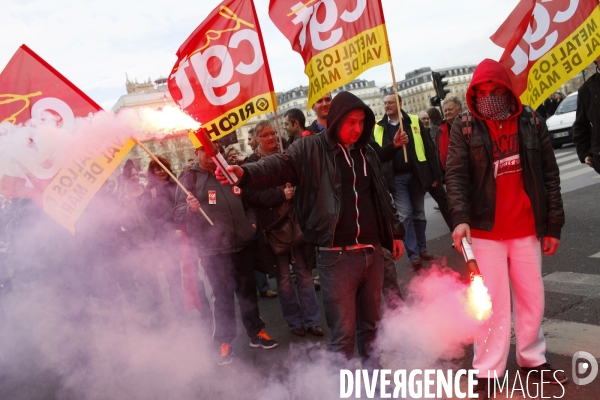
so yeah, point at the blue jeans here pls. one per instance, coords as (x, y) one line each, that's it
(410, 203)
(261, 282)
(308, 307)
(351, 284)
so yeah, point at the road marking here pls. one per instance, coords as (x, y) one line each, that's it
(573, 174)
(571, 165)
(565, 157)
(567, 338)
(586, 285)
(597, 255)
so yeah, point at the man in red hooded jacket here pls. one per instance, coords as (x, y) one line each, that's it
(504, 197)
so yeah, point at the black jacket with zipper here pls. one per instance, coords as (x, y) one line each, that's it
(470, 179)
(309, 164)
(426, 171)
(470, 170)
(586, 129)
(232, 230)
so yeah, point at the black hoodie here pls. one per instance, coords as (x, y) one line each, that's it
(344, 103)
(358, 211)
(312, 164)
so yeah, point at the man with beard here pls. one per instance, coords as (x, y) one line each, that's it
(293, 123)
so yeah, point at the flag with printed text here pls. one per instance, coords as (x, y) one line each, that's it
(337, 39)
(546, 43)
(221, 77)
(38, 111)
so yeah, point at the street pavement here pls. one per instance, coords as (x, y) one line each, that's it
(572, 314)
(571, 278)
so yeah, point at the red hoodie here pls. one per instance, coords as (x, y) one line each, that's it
(514, 214)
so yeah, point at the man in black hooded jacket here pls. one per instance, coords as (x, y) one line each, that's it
(345, 210)
(586, 129)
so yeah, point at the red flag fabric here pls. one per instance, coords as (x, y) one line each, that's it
(35, 162)
(515, 25)
(222, 77)
(31, 89)
(337, 39)
(547, 43)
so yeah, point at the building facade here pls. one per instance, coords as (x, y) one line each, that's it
(297, 97)
(417, 89)
(177, 148)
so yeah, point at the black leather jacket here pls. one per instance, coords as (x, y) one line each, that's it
(470, 176)
(427, 171)
(586, 129)
(309, 164)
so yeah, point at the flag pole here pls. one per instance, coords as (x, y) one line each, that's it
(389, 50)
(171, 175)
(278, 129)
(397, 103)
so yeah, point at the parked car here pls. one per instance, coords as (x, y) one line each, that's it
(560, 125)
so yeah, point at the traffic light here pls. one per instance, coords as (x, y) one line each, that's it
(438, 85)
(435, 101)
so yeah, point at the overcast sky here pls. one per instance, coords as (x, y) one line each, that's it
(95, 43)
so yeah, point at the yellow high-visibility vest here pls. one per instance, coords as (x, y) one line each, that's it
(416, 131)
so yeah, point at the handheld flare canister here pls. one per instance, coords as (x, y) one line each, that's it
(213, 152)
(470, 258)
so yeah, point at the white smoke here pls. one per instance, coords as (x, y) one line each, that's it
(434, 325)
(45, 143)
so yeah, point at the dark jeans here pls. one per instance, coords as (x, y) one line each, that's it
(306, 313)
(439, 195)
(228, 274)
(391, 289)
(351, 284)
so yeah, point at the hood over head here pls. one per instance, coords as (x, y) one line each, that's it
(342, 104)
(490, 71)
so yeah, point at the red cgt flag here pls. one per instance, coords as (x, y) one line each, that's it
(221, 77)
(38, 110)
(30, 89)
(546, 43)
(337, 39)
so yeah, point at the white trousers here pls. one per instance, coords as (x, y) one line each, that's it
(511, 267)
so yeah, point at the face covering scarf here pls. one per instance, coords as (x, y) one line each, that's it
(495, 108)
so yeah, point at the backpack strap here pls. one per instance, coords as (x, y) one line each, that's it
(467, 125)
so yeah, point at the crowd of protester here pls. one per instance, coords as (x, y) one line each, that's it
(342, 231)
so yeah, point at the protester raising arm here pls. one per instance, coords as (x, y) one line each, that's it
(279, 168)
(387, 152)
